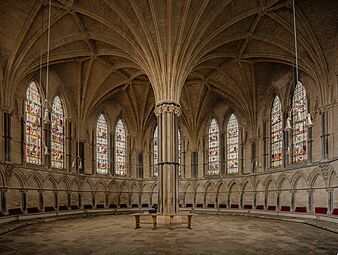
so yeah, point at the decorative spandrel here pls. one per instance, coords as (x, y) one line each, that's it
(102, 150)
(232, 145)
(276, 133)
(299, 129)
(213, 149)
(120, 149)
(33, 125)
(155, 152)
(57, 134)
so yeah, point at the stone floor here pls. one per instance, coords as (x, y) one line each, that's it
(211, 234)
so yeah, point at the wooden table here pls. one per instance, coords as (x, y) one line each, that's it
(154, 219)
(171, 219)
(138, 219)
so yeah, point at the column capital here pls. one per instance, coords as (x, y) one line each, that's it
(167, 107)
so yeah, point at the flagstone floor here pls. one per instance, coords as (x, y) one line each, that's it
(211, 234)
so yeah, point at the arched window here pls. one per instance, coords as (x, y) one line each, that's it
(120, 149)
(57, 133)
(232, 145)
(299, 130)
(102, 146)
(213, 149)
(33, 125)
(276, 130)
(155, 152)
(179, 152)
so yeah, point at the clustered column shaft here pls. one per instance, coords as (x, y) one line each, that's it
(167, 120)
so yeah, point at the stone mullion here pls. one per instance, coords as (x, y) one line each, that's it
(7, 136)
(68, 145)
(325, 136)
(41, 200)
(309, 144)
(3, 201)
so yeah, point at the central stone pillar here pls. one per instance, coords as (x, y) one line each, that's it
(167, 121)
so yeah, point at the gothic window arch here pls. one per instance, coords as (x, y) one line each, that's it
(102, 147)
(213, 149)
(57, 133)
(155, 152)
(33, 130)
(232, 145)
(276, 131)
(299, 129)
(120, 149)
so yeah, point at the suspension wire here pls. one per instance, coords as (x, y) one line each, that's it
(48, 47)
(295, 38)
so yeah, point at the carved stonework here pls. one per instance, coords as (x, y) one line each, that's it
(254, 181)
(325, 171)
(81, 180)
(9, 169)
(170, 108)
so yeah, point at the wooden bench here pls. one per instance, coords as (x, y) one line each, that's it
(154, 219)
(247, 206)
(171, 219)
(138, 219)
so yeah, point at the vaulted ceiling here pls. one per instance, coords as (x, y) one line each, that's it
(231, 47)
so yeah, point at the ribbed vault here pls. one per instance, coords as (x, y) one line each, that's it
(100, 46)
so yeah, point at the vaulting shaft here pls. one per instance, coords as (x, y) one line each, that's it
(167, 119)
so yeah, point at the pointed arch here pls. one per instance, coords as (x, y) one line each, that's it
(213, 149)
(50, 179)
(276, 131)
(100, 186)
(33, 128)
(102, 149)
(34, 180)
(120, 149)
(232, 145)
(57, 133)
(299, 129)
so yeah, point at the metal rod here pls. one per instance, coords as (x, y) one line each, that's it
(295, 38)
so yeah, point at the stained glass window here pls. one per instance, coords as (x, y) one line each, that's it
(120, 149)
(155, 152)
(276, 133)
(232, 145)
(102, 146)
(33, 125)
(213, 149)
(299, 130)
(179, 154)
(57, 133)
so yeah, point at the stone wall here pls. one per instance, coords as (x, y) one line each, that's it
(295, 189)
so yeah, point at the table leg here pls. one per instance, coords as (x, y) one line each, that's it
(171, 221)
(154, 221)
(137, 221)
(189, 221)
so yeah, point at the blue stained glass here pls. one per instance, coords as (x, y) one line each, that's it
(299, 130)
(232, 145)
(213, 149)
(102, 146)
(57, 134)
(120, 149)
(33, 125)
(276, 133)
(179, 154)
(155, 152)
